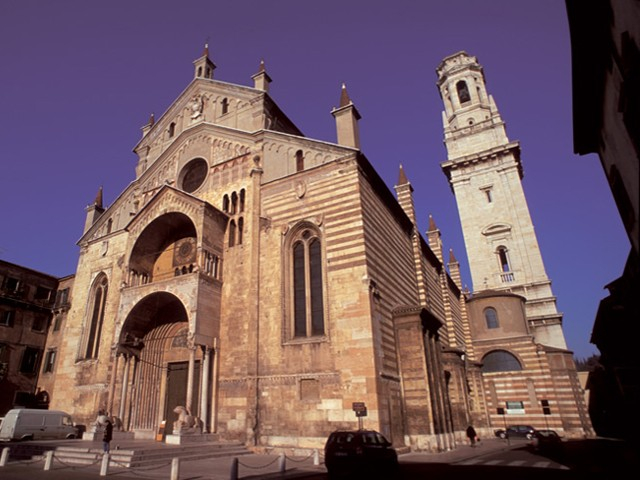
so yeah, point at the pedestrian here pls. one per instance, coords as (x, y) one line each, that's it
(471, 434)
(107, 436)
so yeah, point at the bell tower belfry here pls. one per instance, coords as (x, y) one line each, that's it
(485, 172)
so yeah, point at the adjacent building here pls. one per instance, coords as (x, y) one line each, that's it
(26, 300)
(605, 51)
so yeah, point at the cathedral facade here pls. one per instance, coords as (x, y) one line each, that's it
(273, 286)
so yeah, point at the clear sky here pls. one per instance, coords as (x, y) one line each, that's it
(78, 78)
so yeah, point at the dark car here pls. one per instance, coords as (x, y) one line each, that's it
(546, 441)
(354, 451)
(525, 431)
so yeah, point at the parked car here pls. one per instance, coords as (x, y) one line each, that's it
(546, 441)
(525, 431)
(354, 451)
(34, 424)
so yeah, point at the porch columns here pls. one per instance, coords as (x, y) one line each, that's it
(112, 383)
(125, 385)
(204, 388)
(190, 374)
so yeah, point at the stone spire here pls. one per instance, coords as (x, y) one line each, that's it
(404, 192)
(261, 80)
(434, 239)
(347, 117)
(98, 201)
(94, 211)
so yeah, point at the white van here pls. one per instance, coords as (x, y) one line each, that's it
(33, 424)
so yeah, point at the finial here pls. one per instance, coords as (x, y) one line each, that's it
(452, 258)
(152, 119)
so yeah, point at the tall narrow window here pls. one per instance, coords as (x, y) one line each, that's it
(234, 203)
(225, 106)
(242, 194)
(299, 291)
(491, 317)
(504, 260)
(172, 129)
(49, 360)
(463, 91)
(307, 285)
(315, 279)
(225, 204)
(94, 327)
(232, 233)
(240, 228)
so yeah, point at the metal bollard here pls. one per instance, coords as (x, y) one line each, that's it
(316, 457)
(4, 457)
(104, 467)
(175, 468)
(48, 460)
(282, 463)
(234, 469)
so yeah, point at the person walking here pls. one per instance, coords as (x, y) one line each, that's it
(107, 436)
(471, 434)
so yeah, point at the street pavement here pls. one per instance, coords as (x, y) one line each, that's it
(579, 459)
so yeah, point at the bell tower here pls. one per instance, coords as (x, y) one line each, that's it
(485, 172)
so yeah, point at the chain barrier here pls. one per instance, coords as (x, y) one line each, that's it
(28, 462)
(298, 460)
(259, 467)
(75, 466)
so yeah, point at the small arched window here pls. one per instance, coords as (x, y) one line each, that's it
(299, 161)
(172, 129)
(225, 204)
(242, 200)
(225, 106)
(463, 91)
(491, 317)
(504, 259)
(500, 361)
(93, 329)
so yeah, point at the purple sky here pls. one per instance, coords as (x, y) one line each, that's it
(79, 78)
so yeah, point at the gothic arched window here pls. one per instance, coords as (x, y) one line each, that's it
(463, 91)
(500, 361)
(491, 317)
(306, 286)
(93, 328)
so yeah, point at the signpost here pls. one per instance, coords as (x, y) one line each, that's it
(361, 411)
(504, 419)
